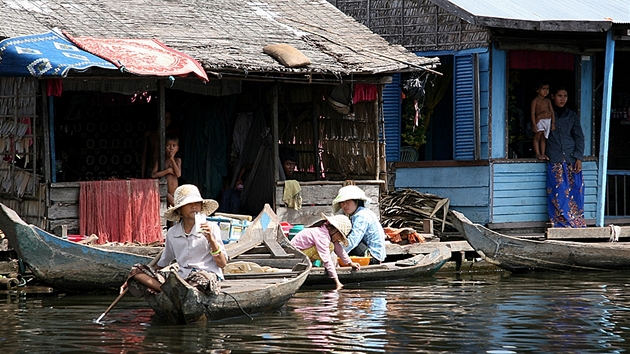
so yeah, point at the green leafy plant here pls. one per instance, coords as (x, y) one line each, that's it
(412, 135)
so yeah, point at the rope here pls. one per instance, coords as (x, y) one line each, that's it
(239, 306)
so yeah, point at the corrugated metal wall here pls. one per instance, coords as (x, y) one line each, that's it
(392, 111)
(464, 107)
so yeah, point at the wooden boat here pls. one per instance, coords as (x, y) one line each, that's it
(262, 246)
(521, 255)
(416, 266)
(80, 268)
(64, 264)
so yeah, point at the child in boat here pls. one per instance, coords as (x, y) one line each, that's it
(197, 247)
(367, 236)
(542, 120)
(172, 167)
(322, 238)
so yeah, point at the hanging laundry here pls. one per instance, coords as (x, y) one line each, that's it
(365, 93)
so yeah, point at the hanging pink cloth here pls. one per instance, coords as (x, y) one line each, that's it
(121, 210)
(364, 93)
(530, 59)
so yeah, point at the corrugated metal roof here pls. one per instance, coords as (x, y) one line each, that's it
(545, 15)
(224, 35)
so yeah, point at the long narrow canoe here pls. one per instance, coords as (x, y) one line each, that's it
(64, 264)
(417, 266)
(522, 255)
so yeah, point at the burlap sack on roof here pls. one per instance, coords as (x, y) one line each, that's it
(287, 55)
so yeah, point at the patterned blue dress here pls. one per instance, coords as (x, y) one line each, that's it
(565, 186)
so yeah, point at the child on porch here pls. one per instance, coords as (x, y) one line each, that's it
(543, 120)
(172, 167)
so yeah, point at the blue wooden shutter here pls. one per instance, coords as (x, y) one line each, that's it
(392, 113)
(464, 108)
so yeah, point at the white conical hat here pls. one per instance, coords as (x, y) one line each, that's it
(341, 223)
(349, 193)
(187, 194)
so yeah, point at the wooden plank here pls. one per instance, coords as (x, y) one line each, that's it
(393, 249)
(325, 193)
(561, 233)
(238, 248)
(63, 211)
(306, 216)
(275, 248)
(257, 276)
(310, 214)
(64, 194)
(29, 289)
(443, 177)
(73, 225)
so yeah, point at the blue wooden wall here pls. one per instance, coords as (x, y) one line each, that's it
(467, 187)
(499, 103)
(519, 191)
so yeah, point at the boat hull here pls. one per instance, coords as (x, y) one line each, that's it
(522, 255)
(263, 244)
(416, 266)
(181, 303)
(64, 264)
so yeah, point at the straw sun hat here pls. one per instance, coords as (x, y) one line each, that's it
(341, 223)
(187, 194)
(349, 193)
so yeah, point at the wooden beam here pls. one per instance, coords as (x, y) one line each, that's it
(567, 233)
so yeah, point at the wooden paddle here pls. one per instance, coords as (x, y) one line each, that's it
(122, 294)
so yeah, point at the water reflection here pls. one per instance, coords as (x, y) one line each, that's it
(483, 313)
(343, 321)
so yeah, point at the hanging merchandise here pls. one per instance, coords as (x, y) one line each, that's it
(414, 88)
(340, 98)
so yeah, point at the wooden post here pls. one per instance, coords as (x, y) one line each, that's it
(161, 127)
(427, 226)
(603, 140)
(377, 118)
(276, 166)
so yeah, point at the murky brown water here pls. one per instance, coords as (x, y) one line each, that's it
(484, 313)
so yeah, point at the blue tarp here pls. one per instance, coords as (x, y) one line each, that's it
(48, 54)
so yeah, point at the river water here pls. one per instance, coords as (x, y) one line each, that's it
(472, 313)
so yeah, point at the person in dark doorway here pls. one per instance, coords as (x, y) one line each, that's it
(150, 152)
(367, 236)
(565, 148)
(288, 159)
(172, 167)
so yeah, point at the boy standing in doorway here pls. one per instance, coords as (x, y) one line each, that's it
(543, 120)
(172, 168)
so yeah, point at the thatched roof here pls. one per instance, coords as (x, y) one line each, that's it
(224, 35)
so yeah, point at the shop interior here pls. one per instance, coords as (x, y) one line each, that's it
(100, 136)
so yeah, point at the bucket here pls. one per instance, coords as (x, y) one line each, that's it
(363, 261)
(286, 227)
